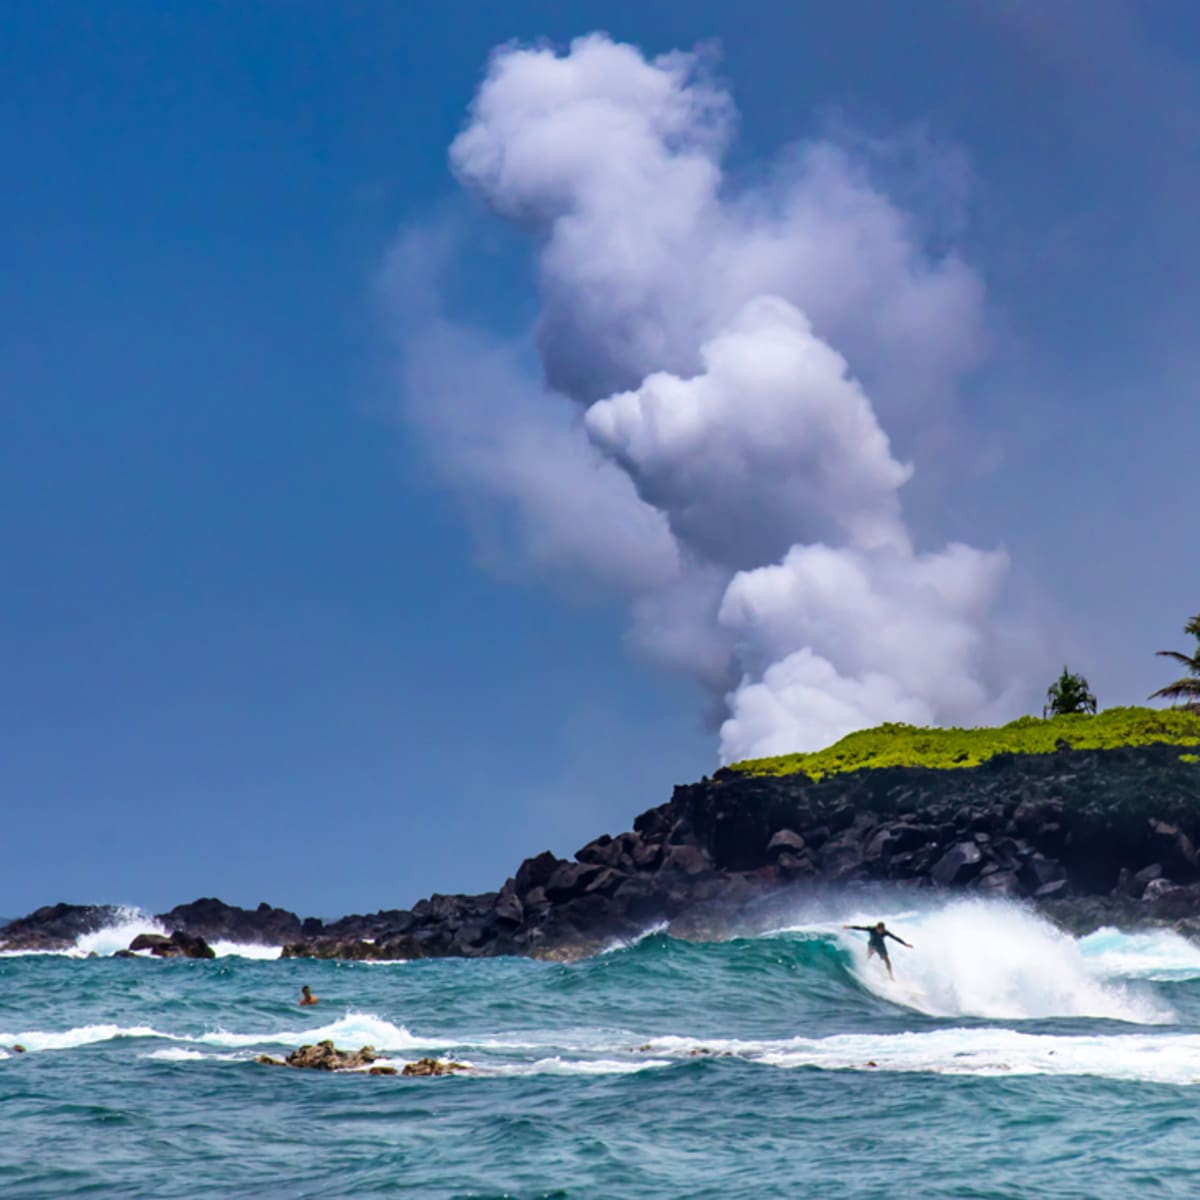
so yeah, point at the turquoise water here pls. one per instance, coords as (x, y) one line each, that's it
(1007, 1060)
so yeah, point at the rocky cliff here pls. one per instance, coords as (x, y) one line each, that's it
(1089, 836)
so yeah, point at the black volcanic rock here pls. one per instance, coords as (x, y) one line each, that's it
(216, 921)
(178, 945)
(57, 926)
(1089, 837)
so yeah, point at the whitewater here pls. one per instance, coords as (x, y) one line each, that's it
(1007, 1059)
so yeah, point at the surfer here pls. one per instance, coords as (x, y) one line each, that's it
(306, 996)
(877, 945)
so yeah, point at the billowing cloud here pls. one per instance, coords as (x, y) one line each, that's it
(771, 443)
(613, 161)
(719, 365)
(887, 634)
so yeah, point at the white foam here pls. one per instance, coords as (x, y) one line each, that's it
(1153, 1058)
(82, 1035)
(626, 943)
(584, 1066)
(117, 936)
(1160, 955)
(354, 1029)
(244, 950)
(981, 958)
(182, 1054)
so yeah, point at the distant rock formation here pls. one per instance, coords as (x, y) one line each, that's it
(57, 926)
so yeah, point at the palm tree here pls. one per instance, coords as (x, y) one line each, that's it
(1186, 689)
(1069, 693)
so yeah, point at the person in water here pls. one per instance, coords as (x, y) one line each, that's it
(876, 944)
(306, 996)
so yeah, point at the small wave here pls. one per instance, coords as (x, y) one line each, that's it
(83, 1035)
(650, 931)
(581, 1066)
(354, 1029)
(182, 1054)
(244, 950)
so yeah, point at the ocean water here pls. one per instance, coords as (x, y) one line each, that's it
(1006, 1060)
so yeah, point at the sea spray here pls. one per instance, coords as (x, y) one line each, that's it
(990, 959)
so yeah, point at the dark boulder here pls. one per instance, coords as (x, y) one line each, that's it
(1041, 876)
(178, 945)
(570, 880)
(433, 1066)
(1170, 846)
(685, 860)
(785, 840)
(536, 872)
(508, 904)
(958, 866)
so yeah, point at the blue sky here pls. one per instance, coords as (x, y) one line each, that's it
(260, 636)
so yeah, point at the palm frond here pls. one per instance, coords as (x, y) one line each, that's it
(1191, 661)
(1189, 688)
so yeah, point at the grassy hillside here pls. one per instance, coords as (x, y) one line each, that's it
(911, 746)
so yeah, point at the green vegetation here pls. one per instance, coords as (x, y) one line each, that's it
(909, 746)
(1186, 689)
(1069, 693)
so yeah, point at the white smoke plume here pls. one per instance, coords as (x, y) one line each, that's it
(729, 353)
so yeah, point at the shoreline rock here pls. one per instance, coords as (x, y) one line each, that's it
(1088, 838)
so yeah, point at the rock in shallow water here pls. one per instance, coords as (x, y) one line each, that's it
(433, 1066)
(324, 1056)
(178, 945)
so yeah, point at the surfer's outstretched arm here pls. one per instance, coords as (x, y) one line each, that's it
(889, 933)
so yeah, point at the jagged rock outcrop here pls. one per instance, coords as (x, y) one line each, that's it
(1091, 837)
(1086, 835)
(216, 921)
(57, 926)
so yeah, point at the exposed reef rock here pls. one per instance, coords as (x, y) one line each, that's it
(324, 1056)
(1090, 837)
(434, 1066)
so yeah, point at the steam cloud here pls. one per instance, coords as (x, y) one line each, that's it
(728, 354)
